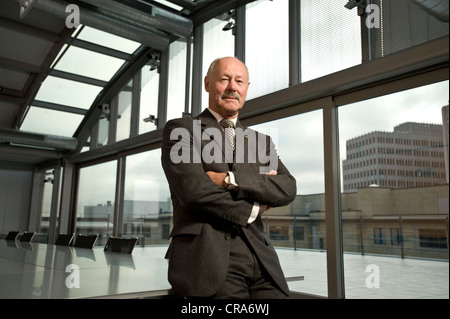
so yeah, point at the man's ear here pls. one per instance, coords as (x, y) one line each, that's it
(206, 81)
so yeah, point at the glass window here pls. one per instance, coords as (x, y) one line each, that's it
(397, 32)
(103, 130)
(267, 46)
(330, 38)
(147, 207)
(395, 193)
(298, 231)
(67, 92)
(216, 44)
(108, 40)
(124, 101)
(149, 100)
(88, 63)
(46, 121)
(46, 204)
(95, 201)
(177, 80)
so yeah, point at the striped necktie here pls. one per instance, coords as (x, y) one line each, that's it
(228, 126)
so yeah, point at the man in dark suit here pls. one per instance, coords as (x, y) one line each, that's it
(218, 248)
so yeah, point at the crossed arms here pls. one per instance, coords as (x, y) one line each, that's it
(198, 187)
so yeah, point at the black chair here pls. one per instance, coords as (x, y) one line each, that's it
(27, 237)
(85, 241)
(120, 245)
(12, 235)
(64, 239)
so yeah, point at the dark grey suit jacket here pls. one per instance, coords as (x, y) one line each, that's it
(204, 213)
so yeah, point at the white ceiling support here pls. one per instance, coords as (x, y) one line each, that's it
(39, 140)
(437, 8)
(151, 38)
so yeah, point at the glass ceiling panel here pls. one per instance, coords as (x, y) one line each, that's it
(108, 40)
(51, 122)
(88, 63)
(67, 92)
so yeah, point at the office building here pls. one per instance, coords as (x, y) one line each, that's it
(410, 156)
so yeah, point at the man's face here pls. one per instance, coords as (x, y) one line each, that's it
(227, 85)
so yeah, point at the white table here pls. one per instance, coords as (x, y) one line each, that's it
(32, 270)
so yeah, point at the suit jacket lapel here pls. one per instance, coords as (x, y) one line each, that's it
(209, 121)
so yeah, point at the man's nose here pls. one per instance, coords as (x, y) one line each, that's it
(232, 85)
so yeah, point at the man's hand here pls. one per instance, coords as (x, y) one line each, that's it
(217, 178)
(263, 208)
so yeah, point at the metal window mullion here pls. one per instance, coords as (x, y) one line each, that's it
(37, 194)
(163, 88)
(68, 193)
(135, 104)
(333, 220)
(294, 42)
(119, 197)
(187, 97)
(52, 231)
(239, 37)
(93, 144)
(113, 113)
(78, 78)
(197, 71)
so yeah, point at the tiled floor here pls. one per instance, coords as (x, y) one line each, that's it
(366, 277)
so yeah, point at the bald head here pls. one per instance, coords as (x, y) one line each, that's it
(216, 61)
(227, 83)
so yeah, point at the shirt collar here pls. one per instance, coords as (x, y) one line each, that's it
(219, 117)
